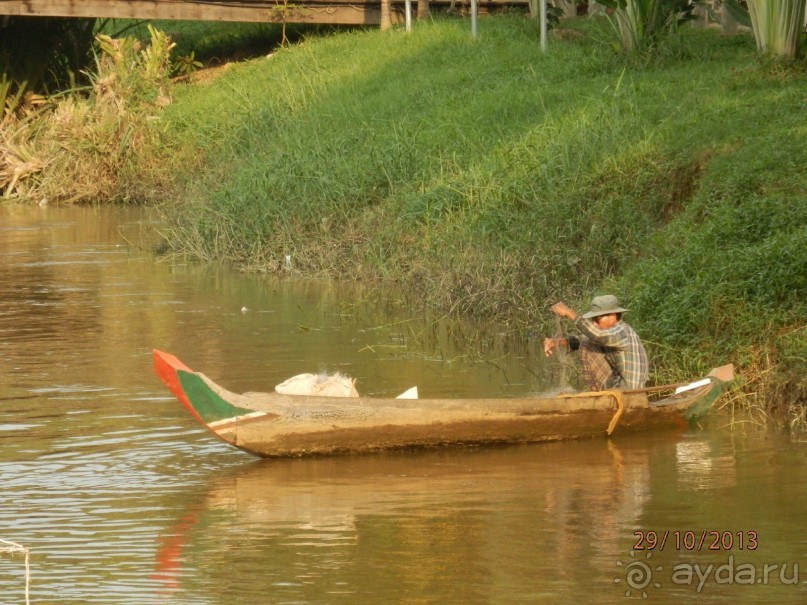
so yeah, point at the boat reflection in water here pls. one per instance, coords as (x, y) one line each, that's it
(490, 523)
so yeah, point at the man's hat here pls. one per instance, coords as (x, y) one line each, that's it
(604, 305)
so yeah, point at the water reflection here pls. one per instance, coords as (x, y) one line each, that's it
(495, 522)
(700, 468)
(123, 500)
(93, 450)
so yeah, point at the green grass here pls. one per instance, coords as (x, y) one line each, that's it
(491, 179)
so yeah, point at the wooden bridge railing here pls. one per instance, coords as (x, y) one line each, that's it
(305, 11)
(337, 12)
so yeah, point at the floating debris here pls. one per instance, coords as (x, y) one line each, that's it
(14, 548)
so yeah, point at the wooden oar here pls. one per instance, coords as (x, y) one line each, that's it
(723, 373)
(660, 387)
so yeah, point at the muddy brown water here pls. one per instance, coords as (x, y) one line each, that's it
(123, 499)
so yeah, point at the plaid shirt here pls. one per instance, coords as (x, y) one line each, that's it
(623, 351)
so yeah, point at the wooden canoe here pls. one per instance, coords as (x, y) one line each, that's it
(276, 425)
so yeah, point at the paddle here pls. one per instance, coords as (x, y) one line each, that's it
(723, 373)
(660, 387)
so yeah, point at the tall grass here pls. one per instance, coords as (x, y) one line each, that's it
(397, 138)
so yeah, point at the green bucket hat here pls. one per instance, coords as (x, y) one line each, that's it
(604, 305)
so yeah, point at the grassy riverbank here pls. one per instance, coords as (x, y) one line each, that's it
(491, 179)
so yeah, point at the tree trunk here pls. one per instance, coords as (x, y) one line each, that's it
(423, 9)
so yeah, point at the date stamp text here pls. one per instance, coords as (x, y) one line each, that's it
(696, 540)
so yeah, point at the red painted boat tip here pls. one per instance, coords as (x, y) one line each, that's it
(161, 357)
(166, 366)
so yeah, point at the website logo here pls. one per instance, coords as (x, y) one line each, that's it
(640, 577)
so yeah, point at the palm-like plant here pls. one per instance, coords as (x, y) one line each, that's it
(640, 23)
(777, 25)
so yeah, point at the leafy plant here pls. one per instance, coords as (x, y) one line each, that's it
(186, 64)
(738, 10)
(131, 72)
(641, 23)
(777, 25)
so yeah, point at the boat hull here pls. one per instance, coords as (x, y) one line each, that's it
(275, 425)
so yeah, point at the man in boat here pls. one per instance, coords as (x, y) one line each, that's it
(611, 354)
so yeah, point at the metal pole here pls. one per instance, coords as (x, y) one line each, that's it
(474, 11)
(408, 9)
(542, 13)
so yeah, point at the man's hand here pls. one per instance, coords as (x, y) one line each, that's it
(564, 311)
(550, 344)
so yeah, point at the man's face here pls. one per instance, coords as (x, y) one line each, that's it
(606, 321)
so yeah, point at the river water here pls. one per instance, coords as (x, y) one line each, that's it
(122, 498)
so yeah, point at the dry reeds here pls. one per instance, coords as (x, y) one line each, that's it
(20, 109)
(77, 147)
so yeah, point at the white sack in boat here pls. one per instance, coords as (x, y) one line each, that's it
(320, 385)
(328, 385)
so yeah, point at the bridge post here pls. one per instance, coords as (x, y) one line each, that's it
(386, 17)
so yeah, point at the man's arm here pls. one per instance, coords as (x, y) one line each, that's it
(573, 342)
